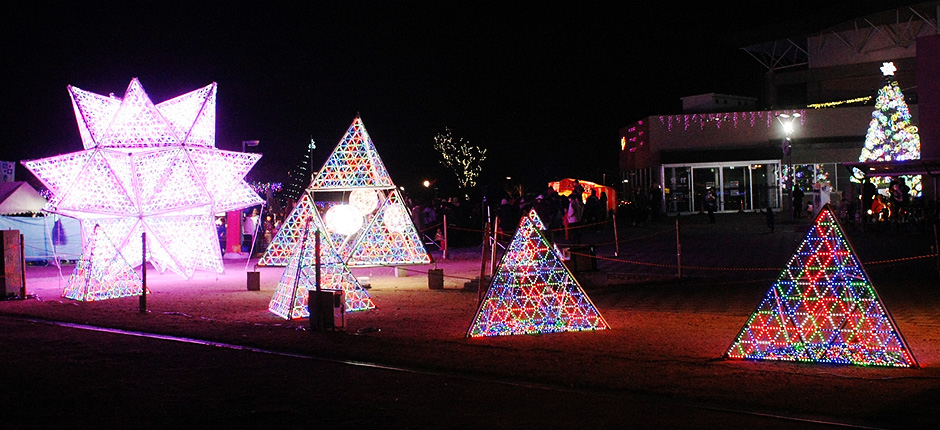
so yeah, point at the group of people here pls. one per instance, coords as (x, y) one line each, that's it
(256, 232)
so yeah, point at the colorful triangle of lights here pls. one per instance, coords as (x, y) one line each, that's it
(102, 272)
(388, 238)
(823, 309)
(533, 292)
(290, 297)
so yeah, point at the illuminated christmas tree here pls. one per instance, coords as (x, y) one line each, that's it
(533, 292)
(891, 135)
(299, 278)
(102, 272)
(367, 222)
(824, 309)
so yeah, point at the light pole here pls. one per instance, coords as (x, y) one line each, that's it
(249, 143)
(786, 120)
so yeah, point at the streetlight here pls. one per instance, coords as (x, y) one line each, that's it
(787, 120)
(249, 143)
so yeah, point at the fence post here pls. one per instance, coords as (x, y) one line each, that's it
(444, 251)
(616, 237)
(486, 244)
(316, 271)
(495, 246)
(142, 305)
(678, 249)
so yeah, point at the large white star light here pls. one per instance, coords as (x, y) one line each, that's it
(150, 168)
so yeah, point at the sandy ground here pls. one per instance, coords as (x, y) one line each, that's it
(667, 335)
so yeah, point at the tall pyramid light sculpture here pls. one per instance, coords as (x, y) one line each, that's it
(823, 309)
(290, 296)
(102, 272)
(533, 292)
(150, 168)
(367, 222)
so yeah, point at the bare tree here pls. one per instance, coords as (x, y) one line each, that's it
(463, 159)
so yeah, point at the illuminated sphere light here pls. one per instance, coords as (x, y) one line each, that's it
(343, 219)
(367, 201)
(395, 219)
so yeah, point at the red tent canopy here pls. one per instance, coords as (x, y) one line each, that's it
(565, 186)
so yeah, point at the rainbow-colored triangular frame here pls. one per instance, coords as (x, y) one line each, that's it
(290, 296)
(823, 309)
(533, 292)
(102, 272)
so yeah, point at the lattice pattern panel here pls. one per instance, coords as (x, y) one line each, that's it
(292, 230)
(135, 122)
(533, 292)
(94, 113)
(354, 163)
(823, 309)
(149, 168)
(290, 297)
(390, 238)
(102, 273)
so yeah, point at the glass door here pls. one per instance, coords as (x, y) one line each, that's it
(704, 178)
(678, 190)
(736, 183)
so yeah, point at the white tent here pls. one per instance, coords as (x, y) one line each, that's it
(19, 198)
(45, 237)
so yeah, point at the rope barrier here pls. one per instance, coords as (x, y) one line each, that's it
(738, 269)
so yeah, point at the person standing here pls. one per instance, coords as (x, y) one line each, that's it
(769, 213)
(711, 205)
(249, 225)
(798, 202)
(573, 218)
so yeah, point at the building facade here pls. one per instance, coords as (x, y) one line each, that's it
(827, 91)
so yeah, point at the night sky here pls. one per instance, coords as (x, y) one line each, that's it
(544, 86)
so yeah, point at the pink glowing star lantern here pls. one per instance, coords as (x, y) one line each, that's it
(150, 168)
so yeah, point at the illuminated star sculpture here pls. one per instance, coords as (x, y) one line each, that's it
(150, 168)
(823, 309)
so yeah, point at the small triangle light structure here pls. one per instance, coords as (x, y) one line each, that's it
(533, 292)
(290, 233)
(102, 273)
(290, 297)
(388, 236)
(823, 309)
(353, 164)
(389, 239)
